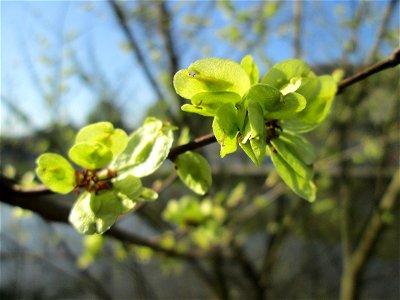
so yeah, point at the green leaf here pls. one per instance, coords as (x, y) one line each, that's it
(300, 146)
(303, 187)
(287, 76)
(214, 100)
(208, 103)
(56, 172)
(127, 188)
(148, 195)
(147, 149)
(292, 103)
(104, 133)
(258, 133)
(90, 155)
(267, 96)
(252, 140)
(225, 128)
(211, 75)
(319, 102)
(251, 68)
(82, 216)
(194, 171)
(295, 162)
(92, 246)
(197, 110)
(97, 213)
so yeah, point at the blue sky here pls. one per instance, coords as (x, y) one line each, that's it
(35, 29)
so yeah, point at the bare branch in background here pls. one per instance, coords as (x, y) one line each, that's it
(389, 62)
(138, 54)
(297, 27)
(381, 31)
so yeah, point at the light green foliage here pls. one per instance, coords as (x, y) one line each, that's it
(104, 133)
(203, 218)
(225, 128)
(303, 187)
(90, 155)
(292, 159)
(290, 99)
(96, 213)
(287, 75)
(251, 69)
(194, 171)
(299, 146)
(112, 167)
(318, 105)
(92, 246)
(56, 172)
(147, 149)
(211, 75)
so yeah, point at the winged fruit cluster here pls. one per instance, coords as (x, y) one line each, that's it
(112, 164)
(264, 118)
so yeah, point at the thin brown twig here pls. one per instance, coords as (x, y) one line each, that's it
(389, 62)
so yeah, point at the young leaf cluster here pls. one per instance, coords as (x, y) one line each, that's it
(265, 118)
(202, 220)
(112, 164)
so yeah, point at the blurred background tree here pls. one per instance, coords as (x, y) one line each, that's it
(65, 64)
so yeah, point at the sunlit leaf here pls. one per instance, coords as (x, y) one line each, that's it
(93, 213)
(225, 128)
(269, 97)
(318, 105)
(299, 145)
(287, 76)
(194, 171)
(211, 75)
(294, 161)
(251, 68)
(292, 103)
(303, 187)
(208, 103)
(56, 172)
(148, 195)
(104, 133)
(147, 149)
(90, 155)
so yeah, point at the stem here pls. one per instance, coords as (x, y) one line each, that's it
(389, 62)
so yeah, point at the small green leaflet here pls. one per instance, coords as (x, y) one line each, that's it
(267, 96)
(208, 103)
(300, 146)
(129, 187)
(194, 171)
(251, 69)
(92, 246)
(56, 172)
(291, 105)
(253, 138)
(211, 75)
(225, 128)
(303, 187)
(287, 76)
(317, 107)
(148, 195)
(294, 161)
(147, 149)
(104, 133)
(97, 213)
(90, 155)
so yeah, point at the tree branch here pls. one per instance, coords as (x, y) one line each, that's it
(381, 31)
(56, 211)
(32, 198)
(389, 62)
